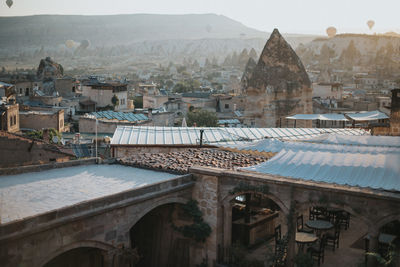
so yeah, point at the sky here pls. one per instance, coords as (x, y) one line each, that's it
(289, 16)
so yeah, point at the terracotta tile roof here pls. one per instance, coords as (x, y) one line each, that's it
(180, 162)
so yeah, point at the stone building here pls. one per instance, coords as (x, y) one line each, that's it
(18, 151)
(9, 117)
(39, 120)
(395, 113)
(102, 93)
(279, 86)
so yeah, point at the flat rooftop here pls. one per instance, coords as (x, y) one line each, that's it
(33, 193)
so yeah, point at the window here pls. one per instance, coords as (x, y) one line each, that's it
(73, 89)
(61, 123)
(226, 106)
(15, 119)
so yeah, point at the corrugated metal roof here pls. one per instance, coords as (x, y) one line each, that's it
(231, 121)
(367, 116)
(152, 135)
(377, 171)
(322, 117)
(121, 116)
(360, 145)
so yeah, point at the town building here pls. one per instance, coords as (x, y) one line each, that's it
(17, 151)
(41, 119)
(102, 93)
(9, 117)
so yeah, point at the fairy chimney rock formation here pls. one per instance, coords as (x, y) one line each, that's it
(278, 86)
(248, 71)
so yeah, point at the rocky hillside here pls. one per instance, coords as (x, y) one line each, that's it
(363, 48)
(52, 30)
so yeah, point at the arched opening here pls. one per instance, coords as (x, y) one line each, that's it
(156, 240)
(78, 257)
(250, 220)
(254, 218)
(389, 241)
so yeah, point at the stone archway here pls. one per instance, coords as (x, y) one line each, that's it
(155, 238)
(96, 250)
(387, 219)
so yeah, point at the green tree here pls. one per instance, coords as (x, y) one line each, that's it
(202, 118)
(138, 101)
(186, 86)
(115, 100)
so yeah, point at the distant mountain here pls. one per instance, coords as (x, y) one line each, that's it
(52, 30)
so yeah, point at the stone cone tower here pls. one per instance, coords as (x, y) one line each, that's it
(248, 71)
(278, 86)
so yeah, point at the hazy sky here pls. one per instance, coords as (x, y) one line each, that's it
(291, 16)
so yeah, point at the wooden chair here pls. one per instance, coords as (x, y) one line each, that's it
(332, 239)
(278, 234)
(321, 213)
(318, 252)
(300, 226)
(344, 219)
(312, 214)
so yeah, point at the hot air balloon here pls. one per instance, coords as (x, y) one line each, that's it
(85, 44)
(370, 24)
(69, 43)
(331, 31)
(9, 3)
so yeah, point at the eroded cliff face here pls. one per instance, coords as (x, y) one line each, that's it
(48, 71)
(278, 86)
(248, 71)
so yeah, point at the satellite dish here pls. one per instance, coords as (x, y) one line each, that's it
(55, 139)
(9, 3)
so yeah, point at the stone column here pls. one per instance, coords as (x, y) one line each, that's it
(227, 227)
(291, 234)
(206, 194)
(373, 234)
(108, 257)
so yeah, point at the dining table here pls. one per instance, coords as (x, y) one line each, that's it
(303, 238)
(319, 226)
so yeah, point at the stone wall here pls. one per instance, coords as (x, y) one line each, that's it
(103, 223)
(17, 151)
(42, 120)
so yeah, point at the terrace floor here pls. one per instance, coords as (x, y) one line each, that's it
(349, 254)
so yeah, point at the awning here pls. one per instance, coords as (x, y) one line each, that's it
(367, 116)
(322, 117)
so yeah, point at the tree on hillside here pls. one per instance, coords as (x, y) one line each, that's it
(186, 86)
(350, 55)
(202, 118)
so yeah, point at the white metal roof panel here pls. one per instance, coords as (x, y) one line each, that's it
(151, 135)
(367, 116)
(377, 171)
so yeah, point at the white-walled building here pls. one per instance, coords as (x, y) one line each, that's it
(102, 93)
